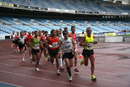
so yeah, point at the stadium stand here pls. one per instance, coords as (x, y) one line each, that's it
(9, 24)
(81, 5)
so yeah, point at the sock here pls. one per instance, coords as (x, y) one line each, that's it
(23, 55)
(37, 63)
(69, 71)
(25, 49)
(60, 60)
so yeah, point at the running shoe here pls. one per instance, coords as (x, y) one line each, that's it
(31, 61)
(58, 72)
(76, 70)
(82, 62)
(23, 60)
(70, 78)
(30, 57)
(61, 69)
(36, 69)
(93, 78)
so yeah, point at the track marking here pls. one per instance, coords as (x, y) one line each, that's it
(79, 76)
(44, 79)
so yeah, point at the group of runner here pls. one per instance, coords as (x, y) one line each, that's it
(59, 46)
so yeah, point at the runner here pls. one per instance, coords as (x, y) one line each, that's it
(60, 37)
(42, 40)
(25, 35)
(29, 36)
(68, 52)
(33, 34)
(13, 41)
(16, 39)
(21, 44)
(74, 37)
(46, 54)
(53, 49)
(34, 43)
(88, 43)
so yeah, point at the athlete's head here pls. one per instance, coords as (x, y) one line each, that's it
(21, 33)
(40, 32)
(73, 29)
(89, 31)
(65, 29)
(29, 33)
(43, 32)
(32, 33)
(17, 33)
(46, 33)
(58, 32)
(13, 32)
(36, 33)
(25, 32)
(53, 32)
(65, 33)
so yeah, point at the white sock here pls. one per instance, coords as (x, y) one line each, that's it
(61, 63)
(23, 55)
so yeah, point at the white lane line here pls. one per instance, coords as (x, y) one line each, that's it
(43, 79)
(10, 84)
(66, 74)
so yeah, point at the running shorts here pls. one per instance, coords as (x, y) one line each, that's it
(87, 53)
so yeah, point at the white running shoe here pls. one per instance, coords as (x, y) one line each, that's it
(37, 69)
(58, 72)
(30, 57)
(70, 78)
(23, 59)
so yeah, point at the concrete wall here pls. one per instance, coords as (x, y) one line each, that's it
(126, 39)
(2, 36)
(114, 39)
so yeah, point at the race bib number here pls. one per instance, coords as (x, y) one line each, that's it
(36, 46)
(55, 44)
(67, 46)
(22, 41)
(90, 46)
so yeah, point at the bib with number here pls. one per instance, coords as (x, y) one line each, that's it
(55, 44)
(36, 46)
(90, 46)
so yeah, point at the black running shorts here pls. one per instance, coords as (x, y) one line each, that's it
(69, 55)
(53, 53)
(35, 51)
(87, 53)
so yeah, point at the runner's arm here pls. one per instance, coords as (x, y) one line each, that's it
(30, 43)
(95, 42)
(48, 41)
(82, 42)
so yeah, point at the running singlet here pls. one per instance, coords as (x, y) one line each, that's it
(36, 42)
(67, 45)
(54, 43)
(22, 40)
(46, 37)
(13, 36)
(28, 38)
(89, 40)
(41, 38)
(74, 37)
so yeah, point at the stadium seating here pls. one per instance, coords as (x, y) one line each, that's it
(9, 24)
(88, 5)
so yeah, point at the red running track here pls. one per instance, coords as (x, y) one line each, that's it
(112, 69)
